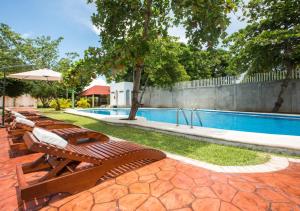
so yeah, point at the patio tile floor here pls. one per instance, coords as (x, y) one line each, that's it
(165, 185)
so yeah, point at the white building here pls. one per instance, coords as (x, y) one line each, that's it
(120, 94)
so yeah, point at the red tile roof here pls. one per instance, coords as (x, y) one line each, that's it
(96, 90)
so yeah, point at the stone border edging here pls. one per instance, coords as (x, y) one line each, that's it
(274, 164)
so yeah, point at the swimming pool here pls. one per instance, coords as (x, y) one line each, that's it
(241, 121)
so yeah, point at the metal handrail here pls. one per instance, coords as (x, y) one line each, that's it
(184, 115)
(198, 116)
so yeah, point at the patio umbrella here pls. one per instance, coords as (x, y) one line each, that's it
(41, 75)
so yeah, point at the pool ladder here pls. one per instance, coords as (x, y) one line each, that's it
(193, 110)
(197, 115)
(184, 115)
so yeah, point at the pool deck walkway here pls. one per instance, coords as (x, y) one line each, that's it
(165, 185)
(260, 141)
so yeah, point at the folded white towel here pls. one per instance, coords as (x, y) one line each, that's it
(16, 114)
(25, 121)
(49, 137)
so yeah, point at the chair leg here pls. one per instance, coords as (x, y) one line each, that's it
(68, 183)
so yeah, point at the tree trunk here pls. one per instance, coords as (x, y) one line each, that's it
(289, 68)
(143, 91)
(57, 108)
(135, 92)
(140, 64)
(44, 101)
(284, 86)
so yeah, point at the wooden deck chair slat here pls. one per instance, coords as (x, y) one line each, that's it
(125, 145)
(109, 146)
(109, 149)
(72, 132)
(119, 149)
(64, 132)
(82, 150)
(78, 130)
(98, 152)
(75, 130)
(128, 144)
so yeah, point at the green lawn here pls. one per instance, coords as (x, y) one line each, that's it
(212, 153)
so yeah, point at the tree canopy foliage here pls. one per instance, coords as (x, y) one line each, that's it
(205, 21)
(12, 53)
(270, 41)
(191, 64)
(201, 64)
(78, 75)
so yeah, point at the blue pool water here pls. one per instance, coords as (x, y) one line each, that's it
(250, 122)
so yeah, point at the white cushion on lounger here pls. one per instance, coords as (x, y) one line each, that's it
(49, 137)
(25, 121)
(16, 114)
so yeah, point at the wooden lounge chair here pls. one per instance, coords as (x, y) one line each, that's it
(17, 129)
(73, 134)
(62, 165)
(11, 115)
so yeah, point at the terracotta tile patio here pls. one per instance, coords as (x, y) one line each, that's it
(164, 185)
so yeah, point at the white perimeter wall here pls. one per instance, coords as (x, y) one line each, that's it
(258, 97)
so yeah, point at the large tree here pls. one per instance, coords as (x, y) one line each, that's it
(271, 40)
(127, 29)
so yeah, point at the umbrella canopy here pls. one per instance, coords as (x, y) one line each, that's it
(41, 75)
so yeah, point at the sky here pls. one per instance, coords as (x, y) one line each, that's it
(70, 19)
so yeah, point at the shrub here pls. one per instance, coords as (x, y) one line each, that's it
(83, 103)
(65, 103)
(60, 103)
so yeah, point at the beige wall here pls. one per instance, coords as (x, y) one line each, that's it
(21, 101)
